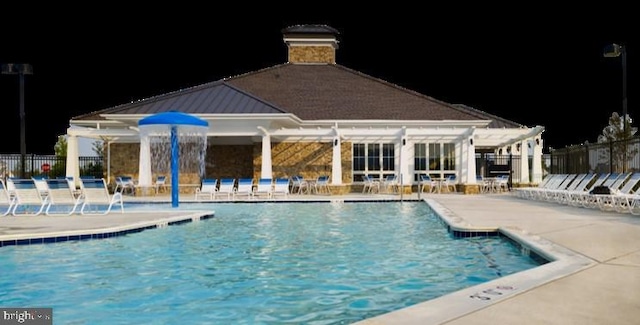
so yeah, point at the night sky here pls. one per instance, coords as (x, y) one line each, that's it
(539, 66)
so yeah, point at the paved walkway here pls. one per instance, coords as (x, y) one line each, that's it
(594, 278)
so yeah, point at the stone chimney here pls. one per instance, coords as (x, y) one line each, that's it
(311, 44)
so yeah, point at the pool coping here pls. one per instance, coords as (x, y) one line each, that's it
(101, 233)
(562, 262)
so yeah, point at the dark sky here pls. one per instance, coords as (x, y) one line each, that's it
(535, 66)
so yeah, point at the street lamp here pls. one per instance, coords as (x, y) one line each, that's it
(21, 70)
(614, 51)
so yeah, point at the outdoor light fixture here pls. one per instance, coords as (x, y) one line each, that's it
(614, 51)
(335, 142)
(404, 141)
(21, 70)
(471, 141)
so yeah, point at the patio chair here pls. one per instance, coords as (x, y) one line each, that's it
(28, 198)
(299, 184)
(226, 188)
(6, 200)
(322, 184)
(124, 184)
(161, 183)
(427, 181)
(207, 189)
(390, 184)
(371, 185)
(245, 187)
(280, 187)
(265, 187)
(61, 197)
(96, 198)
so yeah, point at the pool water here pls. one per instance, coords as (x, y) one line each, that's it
(257, 263)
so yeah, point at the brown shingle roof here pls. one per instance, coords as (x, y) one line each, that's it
(334, 92)
(309, 91)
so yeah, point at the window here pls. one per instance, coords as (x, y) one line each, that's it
(374, 159)
(435, 159)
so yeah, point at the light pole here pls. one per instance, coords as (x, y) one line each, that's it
(21, 70)
(614, 51)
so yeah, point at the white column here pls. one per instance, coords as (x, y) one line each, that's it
(404, 176)
(468, 156)
(537, 160)
(265, 171)
(524, 162)
(73, 166)
(336, 162)
(144, 166)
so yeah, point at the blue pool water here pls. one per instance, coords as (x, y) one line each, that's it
(257, 263)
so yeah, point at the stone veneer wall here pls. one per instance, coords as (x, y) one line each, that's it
(229, 161)
(312, 54)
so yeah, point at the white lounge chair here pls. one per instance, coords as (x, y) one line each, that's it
(621, 199)
(265, 187)
(96, 198)
(226, 188)
(28, 198)
(6, 200)
(280, 187)
(61, 197)
(207, 189)
(244, 188)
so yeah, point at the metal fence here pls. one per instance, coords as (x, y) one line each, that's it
(610, 157)
(52, 166)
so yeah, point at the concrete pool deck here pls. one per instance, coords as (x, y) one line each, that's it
(594, 279)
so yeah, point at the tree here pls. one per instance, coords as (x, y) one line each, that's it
(98, 148)
(617, 135)
(60, 147)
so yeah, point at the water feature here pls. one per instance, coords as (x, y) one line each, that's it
(182, 137)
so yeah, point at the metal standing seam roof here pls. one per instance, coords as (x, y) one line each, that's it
(309, 91)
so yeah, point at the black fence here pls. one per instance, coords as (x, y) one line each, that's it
(611, 157)
(52, 166)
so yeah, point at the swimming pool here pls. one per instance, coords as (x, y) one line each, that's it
(258, 263)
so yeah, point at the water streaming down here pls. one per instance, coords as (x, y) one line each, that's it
(175, 142)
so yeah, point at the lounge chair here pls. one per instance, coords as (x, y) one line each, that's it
(245, 187)
(41, 184)
(6, 200)
(589, 200)
(265, 187)
(61, 197)
(280, 187)
(621, 199)
(207, 189)
(226, 188)
(95, 197)
(28, 198)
